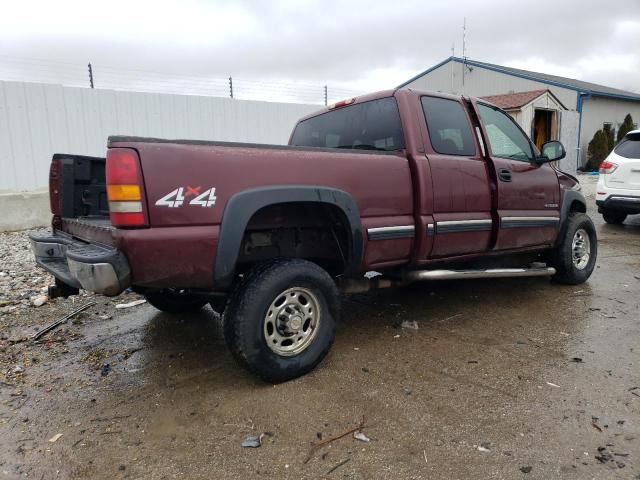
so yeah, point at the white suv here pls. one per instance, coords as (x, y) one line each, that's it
(618, 192)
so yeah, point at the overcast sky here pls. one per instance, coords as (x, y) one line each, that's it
(355, 45)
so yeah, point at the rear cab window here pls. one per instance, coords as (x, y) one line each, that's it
(629, 147)
(373, 125)
(448, 126)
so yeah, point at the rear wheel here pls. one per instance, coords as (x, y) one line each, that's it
(174, 301)
(280, 320)
(612, 217)
(574, 257)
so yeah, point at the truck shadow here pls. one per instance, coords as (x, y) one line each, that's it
(191, 346)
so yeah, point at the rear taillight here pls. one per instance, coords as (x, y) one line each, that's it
(608, 167)
(125, 189)
(54, 187)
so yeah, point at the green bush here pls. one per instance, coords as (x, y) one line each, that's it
(598, 149)
(626, 127)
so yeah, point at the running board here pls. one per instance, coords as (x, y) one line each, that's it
(418, 275)
(361, 285)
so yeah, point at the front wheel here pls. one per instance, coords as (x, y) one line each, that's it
(574, 258)
(280, 320)
(173, 301)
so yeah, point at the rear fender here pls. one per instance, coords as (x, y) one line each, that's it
(243, 205)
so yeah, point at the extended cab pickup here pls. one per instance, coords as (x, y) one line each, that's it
(412, 185)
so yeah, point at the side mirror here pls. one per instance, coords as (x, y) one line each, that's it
(551, 151)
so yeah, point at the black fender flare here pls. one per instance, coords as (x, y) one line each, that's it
(569, 197)
(241, 207)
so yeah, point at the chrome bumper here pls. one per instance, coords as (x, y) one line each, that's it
(93, 267)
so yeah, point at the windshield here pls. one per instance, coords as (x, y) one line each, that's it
(373, 125)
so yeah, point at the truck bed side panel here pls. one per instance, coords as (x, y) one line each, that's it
(380, 183)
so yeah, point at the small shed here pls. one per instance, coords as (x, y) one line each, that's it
(536, 111)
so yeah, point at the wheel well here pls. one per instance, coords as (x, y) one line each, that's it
(577, 206)
(315, 231)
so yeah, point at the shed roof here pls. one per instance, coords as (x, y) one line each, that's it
(570, 83)
(509, 101)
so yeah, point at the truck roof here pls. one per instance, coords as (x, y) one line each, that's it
(384, 94)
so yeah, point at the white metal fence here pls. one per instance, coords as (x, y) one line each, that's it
(37, 120)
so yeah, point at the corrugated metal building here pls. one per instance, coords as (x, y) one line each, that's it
(588, 106)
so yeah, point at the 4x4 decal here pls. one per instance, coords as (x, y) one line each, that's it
(176, 198)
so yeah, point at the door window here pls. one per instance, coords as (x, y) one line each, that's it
(448, 126)
(505, 138)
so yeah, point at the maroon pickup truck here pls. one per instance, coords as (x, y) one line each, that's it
(410, 185)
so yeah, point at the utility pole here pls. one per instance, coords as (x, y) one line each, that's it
(90, 76)
(231, 87)
(326, 96)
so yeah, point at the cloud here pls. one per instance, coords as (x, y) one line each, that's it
(357, 45)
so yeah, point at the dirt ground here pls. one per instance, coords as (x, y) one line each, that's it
(503, 379)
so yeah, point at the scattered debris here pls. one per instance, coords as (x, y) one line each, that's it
(526, 469)
(57, 323)
(40, 300)
(135, 303)
(315, 447)
(55, 437)
(253, 441)
(361, 436)
(576, 360)
(553, 385)
(335, 467)
(412, 325)
(482, 448)
(106, 370)
(18, 369)
(596, 426)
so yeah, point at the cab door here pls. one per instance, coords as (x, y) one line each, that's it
(527, 193)
(460, 205)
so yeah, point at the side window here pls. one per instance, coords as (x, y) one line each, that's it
(373, 125)
(448, 126)
(505, 138)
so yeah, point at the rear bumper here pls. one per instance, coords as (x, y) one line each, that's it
(621, 203)
(91, 266)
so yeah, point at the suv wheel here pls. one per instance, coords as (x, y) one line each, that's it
(612, 217)
(280, 320)
(173, 301)
(574, 257)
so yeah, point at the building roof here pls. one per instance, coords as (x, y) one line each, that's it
(510, 101)
(587, 88)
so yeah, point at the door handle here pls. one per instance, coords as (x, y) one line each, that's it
(504, 174)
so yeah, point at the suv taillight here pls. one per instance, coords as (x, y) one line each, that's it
(125, 189)
(54, 187)
(608, 167)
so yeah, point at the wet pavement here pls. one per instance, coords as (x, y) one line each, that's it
(513, 378)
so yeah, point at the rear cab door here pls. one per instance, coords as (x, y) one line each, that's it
(456, 196)
(528, 194)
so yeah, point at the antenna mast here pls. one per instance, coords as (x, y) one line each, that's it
(464, 47)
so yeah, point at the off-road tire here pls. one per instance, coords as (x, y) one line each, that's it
(171, 301)
(562, 258)
(614, 218)
(248, 305)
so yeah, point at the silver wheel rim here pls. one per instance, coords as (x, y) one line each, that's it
(581, 249)
(291, 322)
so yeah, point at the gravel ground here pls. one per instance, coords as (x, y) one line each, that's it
(515, 378)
